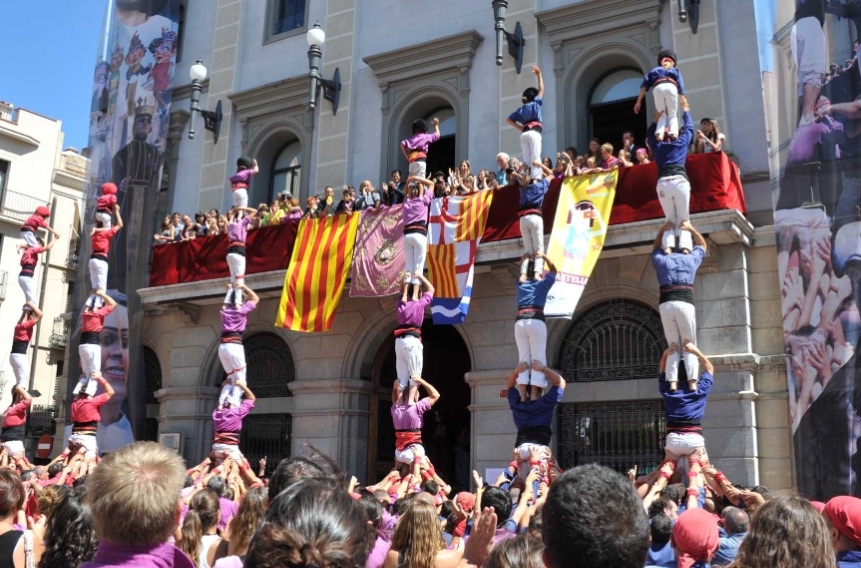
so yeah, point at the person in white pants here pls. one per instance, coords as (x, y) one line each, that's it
(667, 86)
(409, 351)
(29, 260)
(30, 316)
(416, 207)
(231, 352)
(100, 237)
(239, 182)
(86, 414)
(532, 192)
(89, 347)
(676, 271)
(237, 233)
(530, 330)
(527, 119)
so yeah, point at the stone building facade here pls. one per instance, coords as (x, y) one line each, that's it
(331, 389)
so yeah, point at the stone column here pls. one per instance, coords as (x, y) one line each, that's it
(493, 431)
(188, 410)
(332, 415)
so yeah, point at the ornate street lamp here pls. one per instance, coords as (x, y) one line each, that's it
(516, 43)
(211, 119)
(331, 89)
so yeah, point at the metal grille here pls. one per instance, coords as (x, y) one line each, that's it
(266, 435)
(270, 365)
(152, 375)
(41, 420)
(59, 334)
(19, 205)
(616, 340)
(616, 434)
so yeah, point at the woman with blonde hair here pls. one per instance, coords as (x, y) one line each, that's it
(199, 537)
(786, 532)
(417, 541)
(231, 551)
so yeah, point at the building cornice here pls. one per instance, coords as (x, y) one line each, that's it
(272, 97)
(443, 54)
(12, 134)
(598, 17)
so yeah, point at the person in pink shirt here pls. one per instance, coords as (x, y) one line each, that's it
(100, 237)
(105, 204)
(239, 182)
(415, 148)
(416, 208)
(227, 425)
(231, 352)
(237, 231)
(407, 416)
(36, 221)
(89, 346)
(409, 351)
(29, 260)
(21, 337)
(14, 421)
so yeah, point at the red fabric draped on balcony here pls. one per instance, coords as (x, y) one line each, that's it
(715, 185)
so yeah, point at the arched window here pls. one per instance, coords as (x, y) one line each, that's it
(616, 340)
(611, 107)
(270, 365)
(286, 169)
(441, 154)
(152, 376)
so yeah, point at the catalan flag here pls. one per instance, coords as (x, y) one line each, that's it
(318, 269)
(454, 231)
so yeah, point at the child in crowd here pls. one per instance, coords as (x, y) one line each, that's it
(532, 192)
(294, 212)
(408, 335)
(239, 182)
(21, 337)
(415, 148)
(416, 208)
(348, 201)
(105, 204)
(29, 259)
(642, 156)
(527, 119)
(608, 160)
(89, 348)
(38, 220)
(237, 232)
(667, 86)
(100, 237)
(312, 208)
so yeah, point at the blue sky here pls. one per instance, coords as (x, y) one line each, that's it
(49, 49)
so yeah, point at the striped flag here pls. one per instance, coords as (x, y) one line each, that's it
(318, 269)
(454, 231)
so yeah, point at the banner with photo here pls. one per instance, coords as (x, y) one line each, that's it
(818, 223)
(129, 118)
(577, 238)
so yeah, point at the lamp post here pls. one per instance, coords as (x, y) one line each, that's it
(515, 41)
(316, 37)
(211, 119)
(689, 11)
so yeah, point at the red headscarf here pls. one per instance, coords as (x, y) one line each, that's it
(695, 534)
(466, 500)
(844, 513)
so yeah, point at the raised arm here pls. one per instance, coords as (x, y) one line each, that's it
(547, 262)
(699, 240)
(108, 300)
(252, 295)
(51, 243)
(428, 286)
(25, 396)
(433, 394)
(537, 71)
(254, 167)
(660, 236)
(551, 375)
(119, 223)
(248, 394)
(539, 164)
(512, 376)
(109, 390)
(37, 313)
(704, 361)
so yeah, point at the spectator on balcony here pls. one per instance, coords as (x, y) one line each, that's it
(642, 156)
(485, 180)
(709, 137)
(370, 198)
(594, 150)
(200, 224)
(348, 202)
(625, 160)
(178, 227)
(29, 259)
(30, 316)
(14, 421)
(326, 202)
(462, 181)
(628, 142)
(100, 237)
(608, 160)
(89, 348)
(294, 212)
(502, 162)
(393, 191)
(34, 222)
(167, 232)
(312, 208)
(221, 225)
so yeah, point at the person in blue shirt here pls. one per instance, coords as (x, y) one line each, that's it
(661, 553)
(674, 189)
(843, 515)
(736, 524)
(530, 329)
(667, 86)
(676, 270)
(527, 119)
(532, 192)
(533, 419)
(684, 409)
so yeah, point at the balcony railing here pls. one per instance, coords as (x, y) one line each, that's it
(72, 257)
(60, 334)
(4, 278)
(19, 205)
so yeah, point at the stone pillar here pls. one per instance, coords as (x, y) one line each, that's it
(188, 410)
(493, 431)
(332, 415)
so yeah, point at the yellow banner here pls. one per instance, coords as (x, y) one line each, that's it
(579, 230)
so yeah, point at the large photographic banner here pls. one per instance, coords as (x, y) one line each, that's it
(129, 120)
(818, 222)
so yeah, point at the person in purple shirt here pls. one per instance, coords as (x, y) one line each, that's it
(227, 424)
(239, 182)
(667, 86)
(416, 208)
(409, 351)
(415, 148)
(133, 497)
(237, 232)
(407, 418)
(231, 352)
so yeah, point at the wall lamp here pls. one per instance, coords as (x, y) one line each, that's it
(516, 43)
(211, 119)
(689, 11)
(331, 89)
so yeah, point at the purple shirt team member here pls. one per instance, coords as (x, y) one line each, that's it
(407, 419)
(245, 168)
(231, 351)
(416, 208)
(237, 232)
(227, 424)
(409, 351)
(415, 148)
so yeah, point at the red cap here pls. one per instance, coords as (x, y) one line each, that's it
(109, 188)
(43, 211)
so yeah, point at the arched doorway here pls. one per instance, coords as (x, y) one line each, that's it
(445, 434)
(611, 107)
(442, 154)
(152, 375)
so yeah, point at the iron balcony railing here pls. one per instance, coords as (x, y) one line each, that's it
(19, 205)
(42, 420)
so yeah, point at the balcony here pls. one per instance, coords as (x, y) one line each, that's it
(19, 206)
(72, 257)
(59, 334)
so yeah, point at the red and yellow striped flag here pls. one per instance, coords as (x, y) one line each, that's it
(472, 216)
(318, 269)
